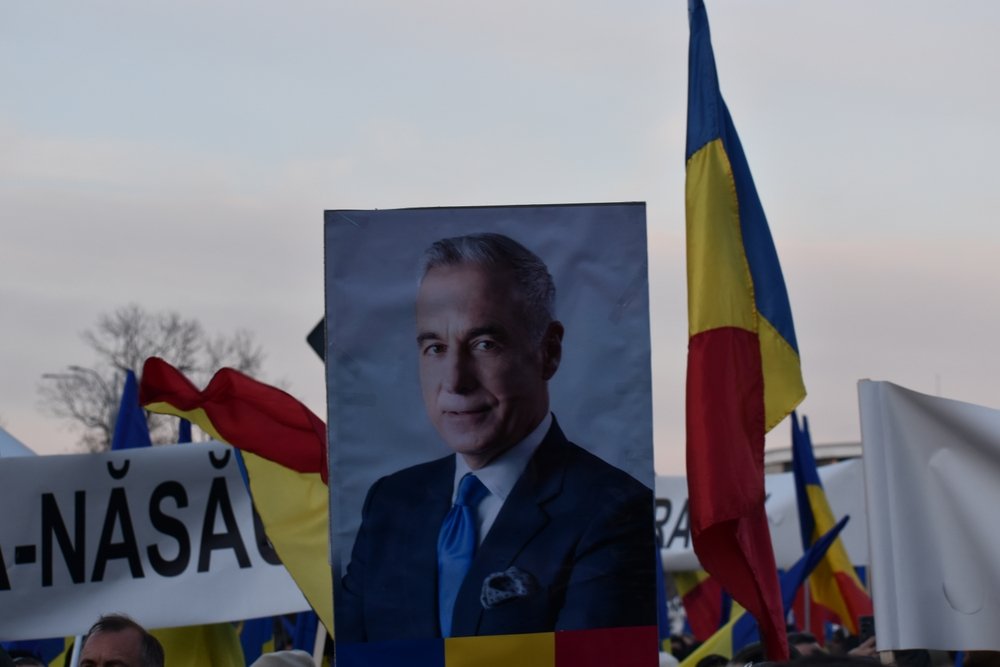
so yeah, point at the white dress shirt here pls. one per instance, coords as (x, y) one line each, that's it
(500, 475)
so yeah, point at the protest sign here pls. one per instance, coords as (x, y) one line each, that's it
(442, 339)
(164, 534)
(844, 485)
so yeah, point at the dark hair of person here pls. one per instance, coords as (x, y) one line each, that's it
(750, 653)
(754, 654)
(713, 660)
(26, 661)
(829, 660)
(496, 251)
(980, 659)
(150, 652)
(912, 657)
(801, 638)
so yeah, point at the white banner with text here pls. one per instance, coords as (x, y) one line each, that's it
(164, 534)
(843, 483)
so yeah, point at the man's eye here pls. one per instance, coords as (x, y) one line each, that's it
(485, 345)
(434, 348)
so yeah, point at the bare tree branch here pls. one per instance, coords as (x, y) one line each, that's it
(123, 340)
(238, 351)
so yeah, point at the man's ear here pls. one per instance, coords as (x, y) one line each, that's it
(551, 349)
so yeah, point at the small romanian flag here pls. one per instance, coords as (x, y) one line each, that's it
(742, 629)
(706, 605)
(834, 586)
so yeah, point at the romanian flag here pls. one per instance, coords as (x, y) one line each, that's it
(744, 374)
(284, 447)
(834, 586)
(742, 629)
(706, 605)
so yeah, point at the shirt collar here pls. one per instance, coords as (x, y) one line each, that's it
(500, 474)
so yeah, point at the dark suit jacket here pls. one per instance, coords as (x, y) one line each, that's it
(578, 528)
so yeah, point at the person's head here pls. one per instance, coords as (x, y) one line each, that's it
(293, 658)
(117, 640)
(804, 642)
(684, 645)
(27, 661)
(713, 660)
(488, 342)
(751, 653)
(821, 659)
(754, 655)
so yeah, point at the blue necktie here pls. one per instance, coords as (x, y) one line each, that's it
(456, 546)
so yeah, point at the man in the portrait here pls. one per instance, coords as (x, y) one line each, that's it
(519, 530)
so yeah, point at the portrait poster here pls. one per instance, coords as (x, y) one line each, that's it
(391, 440)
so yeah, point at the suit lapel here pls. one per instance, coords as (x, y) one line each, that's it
(420, 597)
(521, 518)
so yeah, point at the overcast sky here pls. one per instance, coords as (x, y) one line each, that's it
(180, 155)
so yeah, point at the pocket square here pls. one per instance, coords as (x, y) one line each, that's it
(510, 584)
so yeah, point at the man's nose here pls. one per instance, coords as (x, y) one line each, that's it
(459, 375)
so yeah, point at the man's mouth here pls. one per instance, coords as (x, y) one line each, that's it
(466, 412)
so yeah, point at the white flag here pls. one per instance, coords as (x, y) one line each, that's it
(932, 476)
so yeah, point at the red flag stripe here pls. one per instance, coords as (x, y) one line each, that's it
(248, 414)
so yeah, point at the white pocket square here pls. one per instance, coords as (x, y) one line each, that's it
(510, 584)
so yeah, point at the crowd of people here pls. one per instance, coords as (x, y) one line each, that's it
(841, 649)
(116, 640)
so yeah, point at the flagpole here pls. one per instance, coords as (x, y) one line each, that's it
(807, 609)
(74, 657)
(320, 644)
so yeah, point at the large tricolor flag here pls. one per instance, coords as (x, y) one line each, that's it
(744, 374)
(284, 448)
(834, 585)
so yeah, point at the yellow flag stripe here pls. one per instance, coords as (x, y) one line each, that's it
(198, 417)
(720, 287)
(783, 386)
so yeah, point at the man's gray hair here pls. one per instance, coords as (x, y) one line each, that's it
(151, 651)
(496, 251)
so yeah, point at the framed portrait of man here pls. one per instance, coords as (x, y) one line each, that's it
(490, 421)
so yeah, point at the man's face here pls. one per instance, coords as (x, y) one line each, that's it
(482, 374)
(113, 649)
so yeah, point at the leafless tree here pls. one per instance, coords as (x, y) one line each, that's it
(88, 396)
